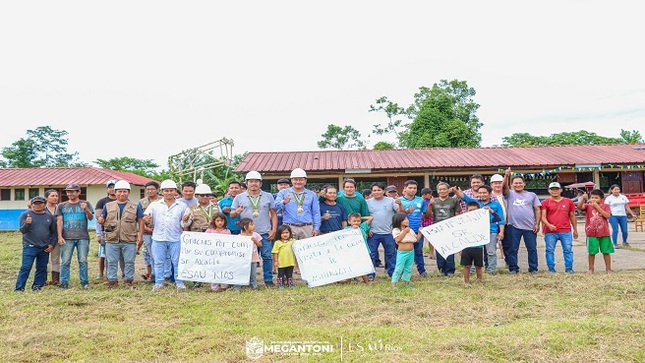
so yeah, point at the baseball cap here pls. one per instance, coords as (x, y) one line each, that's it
(391, 188)
(555, 185)
(496, 178)
(283, 181)
(73, 187)
(38, 199)
(110, 182)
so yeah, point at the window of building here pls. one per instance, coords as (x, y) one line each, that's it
(19, 194)
(5, 194)
(33, 192)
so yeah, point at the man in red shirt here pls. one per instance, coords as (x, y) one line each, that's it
(558, 220)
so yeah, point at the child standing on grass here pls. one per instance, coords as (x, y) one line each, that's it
(473, 255)
(597, 228)
(356, 222)
(218, 225)
(247, 228)
(284, 259)
(405, 240)
(426, 219)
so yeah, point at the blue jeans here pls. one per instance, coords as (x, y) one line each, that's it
(267, 257)
(418, 256)
(160, 249)
(566, 239)
(147, 250)
(29, 254)
(388, 246)
(82, 247)
(446, 266)
(615, 222)
(114, 252)
(511, 245)
(491, 253)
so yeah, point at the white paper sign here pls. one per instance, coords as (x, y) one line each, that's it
(454, 234)
(218, 258)
(333, 257)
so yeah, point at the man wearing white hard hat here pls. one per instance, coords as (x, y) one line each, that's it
(123, 226)
(198, 216)
(166, 217)
(300, 206)
(257, 205)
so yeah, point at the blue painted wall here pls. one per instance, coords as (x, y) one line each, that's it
(9, 219)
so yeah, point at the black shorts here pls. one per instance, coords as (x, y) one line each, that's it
(472, 256)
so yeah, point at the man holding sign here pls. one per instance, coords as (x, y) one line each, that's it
(442, 209)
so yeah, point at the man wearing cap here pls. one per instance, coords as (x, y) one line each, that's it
(166, 218)
(257, 205)
(281, 184)
(72, 219)
(391, 191)
(111, 196)
(120, 220)
(300, 206)
(558, 220)
(38, 239)
(524, 217)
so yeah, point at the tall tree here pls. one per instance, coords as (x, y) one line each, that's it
(581, 137)
(43, 147)
(337, 137)
(395, 124)
(631, 137)
(443, 116)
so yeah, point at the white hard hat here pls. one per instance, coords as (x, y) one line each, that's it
(298, 173)
(203, 189)
(168, 184)
(253, 175)
(121, 184)
(496, 178)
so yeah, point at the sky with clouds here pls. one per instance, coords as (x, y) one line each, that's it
(148, 79)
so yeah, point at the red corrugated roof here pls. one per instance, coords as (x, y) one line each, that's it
(443, 158)
(11, 177)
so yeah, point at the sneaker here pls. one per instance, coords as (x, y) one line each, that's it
(196, 285)
(533, 272)
(63, 286)
(269, 284)
(513, 272)
(370, 278)
(552, 270)
(85, 286)
(281, 287)
(36, 288)
(423, 274)
(157, 287)
(570, 271)
(19, 290)
(409, 286)
(99, 277)
(616, 246)
(216, 288)
(181, 286)
(625, 244)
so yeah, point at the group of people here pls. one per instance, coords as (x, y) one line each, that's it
(274, 221)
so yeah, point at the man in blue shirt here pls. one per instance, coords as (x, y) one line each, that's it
(415, 208)
(300, 207)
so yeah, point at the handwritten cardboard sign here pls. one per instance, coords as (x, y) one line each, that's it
(333, 257)
(218, 258)
(454, 234)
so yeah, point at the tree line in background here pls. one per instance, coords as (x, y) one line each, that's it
(445, 116)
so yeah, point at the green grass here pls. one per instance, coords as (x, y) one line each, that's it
(564, 318)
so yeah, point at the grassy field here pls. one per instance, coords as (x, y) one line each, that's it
(524, 318)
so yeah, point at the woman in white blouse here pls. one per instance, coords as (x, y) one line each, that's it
(619, 209)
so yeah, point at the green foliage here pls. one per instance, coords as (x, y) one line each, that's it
(341, 138)
(143, 167)
(382, 145)
(395, 124)
(43, 147)
(444, 116)
(581, 137)
(631, 137)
